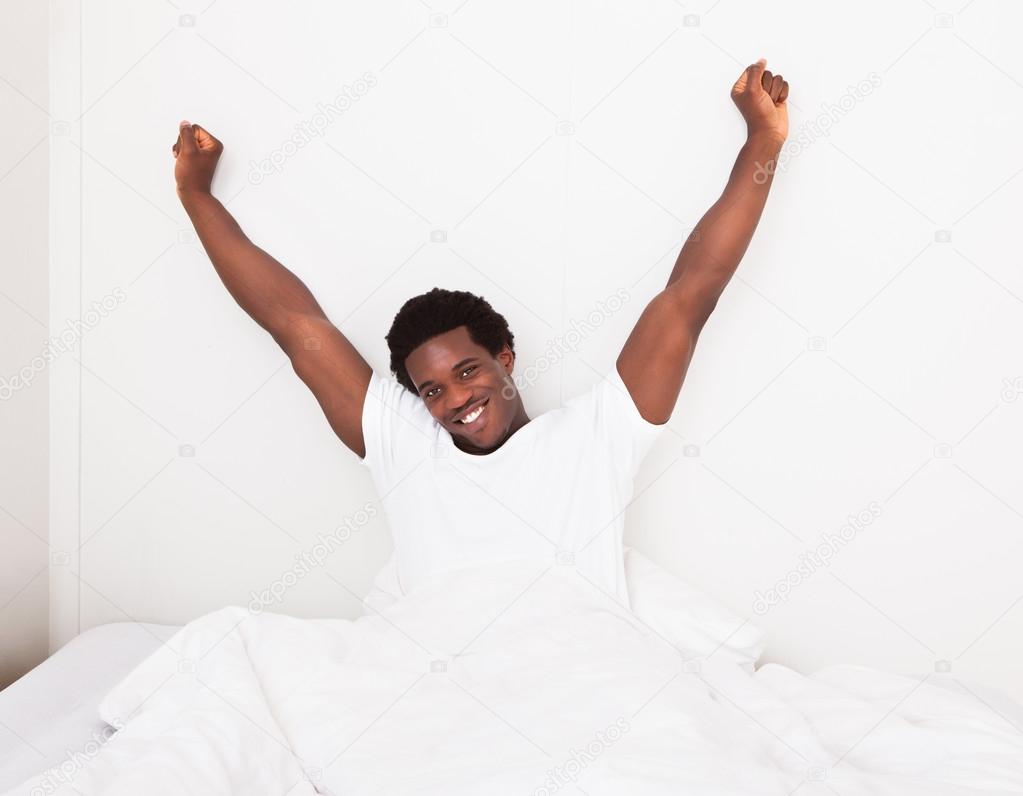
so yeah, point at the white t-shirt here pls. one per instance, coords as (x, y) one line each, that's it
(555, 491)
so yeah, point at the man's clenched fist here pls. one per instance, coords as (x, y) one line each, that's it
(196, 153)
(760, 97)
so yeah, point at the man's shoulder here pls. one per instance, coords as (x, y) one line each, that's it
(393, 394)
(390, 404)
(591, 395)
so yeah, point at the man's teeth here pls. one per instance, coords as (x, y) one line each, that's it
(472, 415)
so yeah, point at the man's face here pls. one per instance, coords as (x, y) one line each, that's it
(456, 377)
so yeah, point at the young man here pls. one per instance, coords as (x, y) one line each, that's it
(467, 477)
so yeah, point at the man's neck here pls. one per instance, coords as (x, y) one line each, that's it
(521, 418)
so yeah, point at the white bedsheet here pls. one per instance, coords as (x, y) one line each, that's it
(512, 680)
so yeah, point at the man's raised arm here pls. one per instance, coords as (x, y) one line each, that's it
(274, 297)
(655, 358)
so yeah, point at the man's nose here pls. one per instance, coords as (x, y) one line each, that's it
(458, 399)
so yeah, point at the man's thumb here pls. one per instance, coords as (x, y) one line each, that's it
(756, 74)
(187, 137)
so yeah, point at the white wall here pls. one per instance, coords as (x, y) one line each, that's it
(23, 334)
(865, 358)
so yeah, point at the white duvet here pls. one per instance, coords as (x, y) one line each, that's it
(524, 679)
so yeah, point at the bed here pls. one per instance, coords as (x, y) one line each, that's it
(251, 663)
(55, 707)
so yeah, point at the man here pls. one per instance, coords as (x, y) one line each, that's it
(468, 478)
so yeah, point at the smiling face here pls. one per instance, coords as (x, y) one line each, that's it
(460, 380)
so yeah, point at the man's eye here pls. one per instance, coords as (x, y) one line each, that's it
(429, 393)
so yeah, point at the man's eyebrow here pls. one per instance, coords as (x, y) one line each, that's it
(454, 367)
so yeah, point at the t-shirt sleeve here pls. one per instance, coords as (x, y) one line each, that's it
(627, 435)
(396, 428)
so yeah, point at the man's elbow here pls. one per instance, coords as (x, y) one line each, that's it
(692, 307)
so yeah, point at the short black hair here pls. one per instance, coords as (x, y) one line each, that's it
(438, 311)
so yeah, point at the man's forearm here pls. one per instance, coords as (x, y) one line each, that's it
(264, 288)
(714, 249)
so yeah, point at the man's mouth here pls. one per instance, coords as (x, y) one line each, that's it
(472, 417)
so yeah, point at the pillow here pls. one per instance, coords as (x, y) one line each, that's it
(688, 617)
